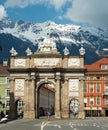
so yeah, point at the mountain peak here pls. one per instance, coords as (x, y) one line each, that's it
(65, 35)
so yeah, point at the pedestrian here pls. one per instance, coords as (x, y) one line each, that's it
(48, 115)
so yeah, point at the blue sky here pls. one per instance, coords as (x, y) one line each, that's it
(82, 12)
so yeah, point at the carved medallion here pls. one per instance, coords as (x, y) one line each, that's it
(73, 62)
(20, 62)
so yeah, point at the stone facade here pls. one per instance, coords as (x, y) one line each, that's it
(47, 65)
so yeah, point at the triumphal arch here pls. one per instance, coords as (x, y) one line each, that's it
(47, 66)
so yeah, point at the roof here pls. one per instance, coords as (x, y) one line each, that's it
(4, 69)
(96, 66)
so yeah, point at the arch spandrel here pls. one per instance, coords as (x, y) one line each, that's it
(44, 81)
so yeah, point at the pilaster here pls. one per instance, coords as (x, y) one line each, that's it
(29, 106)
(65, 98)
(12, 112)
(81, 114)
(57, 97)
(26, 99)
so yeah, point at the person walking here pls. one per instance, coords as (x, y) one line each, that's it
(48, 115)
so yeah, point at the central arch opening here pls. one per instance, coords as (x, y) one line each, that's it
(46, 102)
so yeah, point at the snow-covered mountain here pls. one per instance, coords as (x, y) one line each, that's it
(20, 35)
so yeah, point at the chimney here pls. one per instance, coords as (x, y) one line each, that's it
(5, 62)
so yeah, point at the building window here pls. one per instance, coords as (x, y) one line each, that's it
(91, 88)
(106, 87)
(7, 80)
(104, 67)
(20, 103)
(8, 92)
(98, 100)
(85, 88)
(91, 77)
(106, 101)
(7, 103)
(106, 77)
(98, 87)
(91, 101)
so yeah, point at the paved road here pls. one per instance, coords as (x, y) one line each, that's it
(42, 124)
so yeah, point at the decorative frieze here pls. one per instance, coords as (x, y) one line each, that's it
(19, 84)
(73, 62)
(73, 85)
(73, 88)
(20, 62)
(46, 61)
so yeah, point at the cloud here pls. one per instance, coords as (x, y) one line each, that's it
(18, 3)
(57, 4)
(3, 13)
(93, 12)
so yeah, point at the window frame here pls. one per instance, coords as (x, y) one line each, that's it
(98, 85)
(91, 100)
(106, 87)
(7, 92)
(91, 88)
(104, 67)
(98, 100)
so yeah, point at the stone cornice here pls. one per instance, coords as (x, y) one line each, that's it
(48, 70)
(47, 55)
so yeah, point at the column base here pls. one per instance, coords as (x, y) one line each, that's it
(29, 115)
(58, 115)
(81, 115)
(65, 114)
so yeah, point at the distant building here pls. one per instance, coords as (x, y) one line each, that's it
(96, 88)
(4, 87)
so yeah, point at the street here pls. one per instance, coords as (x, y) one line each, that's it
(43, 124)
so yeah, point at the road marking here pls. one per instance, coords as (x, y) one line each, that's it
(43, 124)
(59, 126)
(47, 123)
(71, 125)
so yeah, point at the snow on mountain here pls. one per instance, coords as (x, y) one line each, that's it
(93, 39)
(33, 32)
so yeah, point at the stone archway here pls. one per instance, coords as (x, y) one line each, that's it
(19, 108)
(28, 74)
(45, 98)
(56, 82)
(73, 108)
